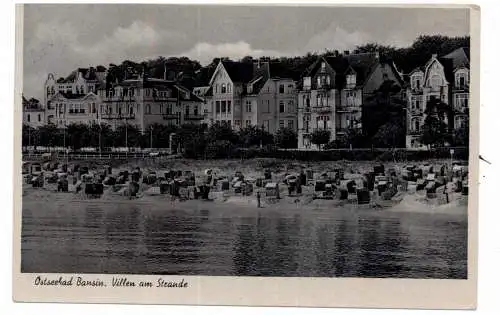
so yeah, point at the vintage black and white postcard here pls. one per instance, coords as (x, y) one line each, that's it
(262, 155)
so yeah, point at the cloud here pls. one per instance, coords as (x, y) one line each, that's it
(56, 47)
(335, 38)
(205, 52)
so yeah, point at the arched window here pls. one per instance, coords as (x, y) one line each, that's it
(223, 88)
(229, 88)
(216, 88)
(416, 124)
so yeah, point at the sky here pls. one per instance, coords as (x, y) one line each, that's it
(58, 38)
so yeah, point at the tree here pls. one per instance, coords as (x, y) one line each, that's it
(29, 136)
(320, 136)
(286, 138)
(47, 135)
(351, 137)
(390, 135)
(383, 112)
(435, 128)
(254, 136)
(461, 135)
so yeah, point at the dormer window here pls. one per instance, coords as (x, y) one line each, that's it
(461, 79)
(323, 66)
(249, 89)
(351, 80)
(416, 82)
(307, 83)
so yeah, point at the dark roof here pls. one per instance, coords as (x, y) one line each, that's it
(161, 84)
(363, 64)
(459, 57)
(239, 72)
(89, 74)
(280, 71)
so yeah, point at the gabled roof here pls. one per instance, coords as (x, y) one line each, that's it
(362, 64)
(71, 96)
(239, 72)
(459, 57)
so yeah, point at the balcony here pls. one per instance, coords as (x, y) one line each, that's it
(322, 109)
(461, 88)
(415, 111)
(414, 133)
(194, 117)
(417, 90)
(170, 116)
(348, 109)
(118, 116)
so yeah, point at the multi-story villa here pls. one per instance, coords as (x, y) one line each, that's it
(66, 108)
(444, 78)
(332, 92)
(73, 88)
(33, 113)
(245, 94)
(143, 101)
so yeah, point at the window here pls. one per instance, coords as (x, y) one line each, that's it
(93, 108)
(248, 106)
(187, 110)
(148, 109)
(290, 124)
(461, 101)
(217, 107)
(322, 122)
(351, 80)
(282, 124)
(328, 80)
(308, 101)
(268, 107)
(229, 107)
(229, 88)
(216, 88)
(290, 108)
(196, 110)
(323, 66)
(237, 123)
(461, 79)
(318, 81)
(223, 106)
(350, 98)
(306, 121)
(416, 102)
(282, 88)
(248, 123)
(282, 106)
(131, 110)
(223, 88)
(416, 124)
(266, 125)
(436, 81)
(29, 118)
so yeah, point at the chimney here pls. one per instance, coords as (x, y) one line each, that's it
(346, 52)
